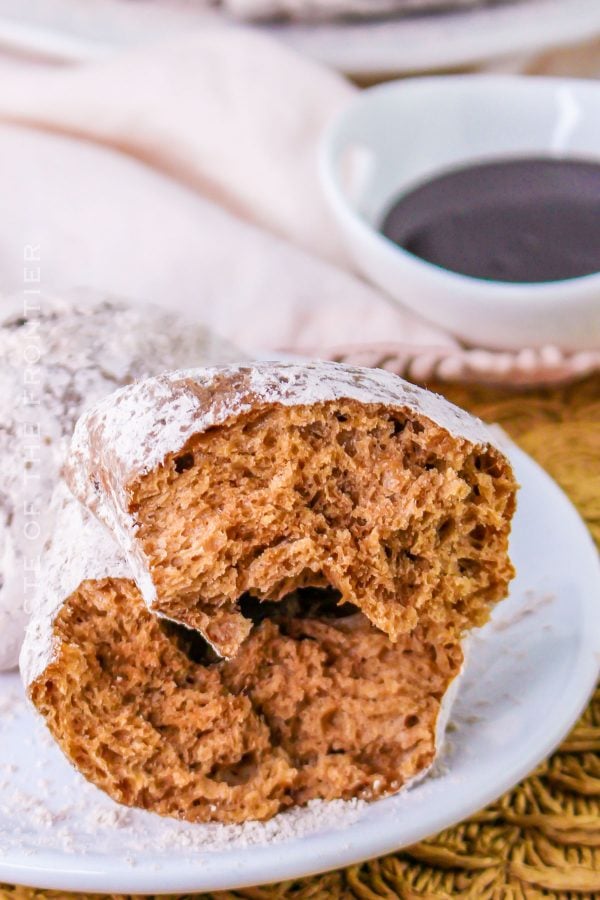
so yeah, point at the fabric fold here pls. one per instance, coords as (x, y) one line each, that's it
(185, 174)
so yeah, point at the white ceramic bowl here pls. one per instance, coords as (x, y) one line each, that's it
(398, 134)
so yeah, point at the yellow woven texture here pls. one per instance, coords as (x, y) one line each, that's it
(541, 839)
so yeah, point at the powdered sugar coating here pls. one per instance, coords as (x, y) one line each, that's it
(79, 549)
(131, 432)
(61, 357)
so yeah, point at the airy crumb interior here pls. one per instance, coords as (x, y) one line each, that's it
(317, 703)
(396, 514)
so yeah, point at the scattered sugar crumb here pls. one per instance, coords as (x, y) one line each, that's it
(533, 602)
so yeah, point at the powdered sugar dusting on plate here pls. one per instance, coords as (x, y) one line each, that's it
(66, 813)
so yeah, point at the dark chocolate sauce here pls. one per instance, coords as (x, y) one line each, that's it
(519, 220)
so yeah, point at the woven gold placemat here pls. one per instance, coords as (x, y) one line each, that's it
(541, 839)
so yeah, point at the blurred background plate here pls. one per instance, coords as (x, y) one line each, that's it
(73, 30)
(448, 40)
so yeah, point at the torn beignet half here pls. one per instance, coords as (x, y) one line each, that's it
(269, 478)
(317, 703)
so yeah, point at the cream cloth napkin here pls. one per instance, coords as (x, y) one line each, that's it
(185, 174)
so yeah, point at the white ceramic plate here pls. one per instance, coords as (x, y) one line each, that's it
(529, 675)
(71, 30)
